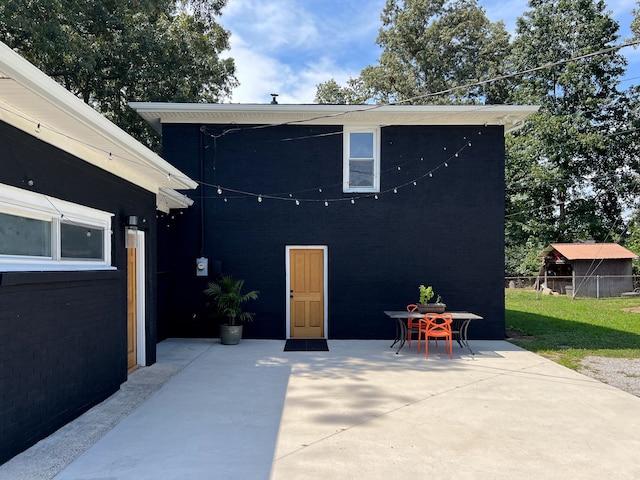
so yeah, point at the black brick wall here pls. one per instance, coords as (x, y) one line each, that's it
(63, 334)
(446, 231)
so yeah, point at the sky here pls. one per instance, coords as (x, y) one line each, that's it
(288, 47)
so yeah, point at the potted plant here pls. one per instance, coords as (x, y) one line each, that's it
(227, 300)
(426, 294)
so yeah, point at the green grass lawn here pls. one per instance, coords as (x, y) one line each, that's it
(567, 330)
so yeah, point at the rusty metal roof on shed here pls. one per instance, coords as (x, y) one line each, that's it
(589, 251)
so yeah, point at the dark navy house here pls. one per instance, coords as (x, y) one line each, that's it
(336, 213)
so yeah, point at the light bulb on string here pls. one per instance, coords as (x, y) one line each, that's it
(446, 164)
(395, 190)
(320, 190)
(469, 143)
(376, 196)
(326, 203)
(456, 155)
(219, 190)
(225, 200)
(110, 156)
(38, 128)
(259, 198)
(353, 201)
(399, 168)
(431, 174)
(415, 183)
(297, 202)
(168, 176)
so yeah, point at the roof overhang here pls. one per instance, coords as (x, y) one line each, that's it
(36, 104)
(509, 116)
(589, 251)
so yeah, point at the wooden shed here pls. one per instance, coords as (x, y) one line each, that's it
(587, 269)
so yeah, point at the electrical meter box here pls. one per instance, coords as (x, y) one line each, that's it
(202, 267)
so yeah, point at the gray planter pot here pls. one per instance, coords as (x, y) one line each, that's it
(431, 307)
(230, 334)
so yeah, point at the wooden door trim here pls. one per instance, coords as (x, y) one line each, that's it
(287, 260)
(141, 319)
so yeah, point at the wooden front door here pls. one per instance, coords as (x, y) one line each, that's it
(306, 293)
(132, 354)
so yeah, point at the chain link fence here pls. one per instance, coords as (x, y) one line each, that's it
(596, 286)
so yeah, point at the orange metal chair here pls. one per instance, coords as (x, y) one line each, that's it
(412, 323)
(436, 325)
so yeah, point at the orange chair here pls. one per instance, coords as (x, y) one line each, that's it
(436, 325)
(412, 323)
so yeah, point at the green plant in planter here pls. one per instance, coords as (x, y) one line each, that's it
(228, 301)
(426, 294)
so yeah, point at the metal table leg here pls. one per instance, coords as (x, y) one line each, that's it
(463, 339)
(401, 334)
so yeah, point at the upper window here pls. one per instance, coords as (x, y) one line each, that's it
(44, 233)
(361, 163)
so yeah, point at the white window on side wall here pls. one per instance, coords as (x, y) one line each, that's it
(38, 232)
(361, 162)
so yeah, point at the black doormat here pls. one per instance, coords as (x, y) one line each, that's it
(306, 345)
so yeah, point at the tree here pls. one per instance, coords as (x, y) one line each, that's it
(570, 171)
(431, 46)
(110, 52)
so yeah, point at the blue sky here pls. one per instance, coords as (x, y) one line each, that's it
(290, 46)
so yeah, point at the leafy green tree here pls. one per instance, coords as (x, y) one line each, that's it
(354, 93)
(110, 52)
(571, 168)
(431, 46)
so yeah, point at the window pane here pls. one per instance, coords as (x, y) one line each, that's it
(361, 145)
(361, 173)
(24, 236)
(80, 242)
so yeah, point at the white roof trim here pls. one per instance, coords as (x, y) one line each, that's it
(30, 99)
(510, 116)
(170, 199)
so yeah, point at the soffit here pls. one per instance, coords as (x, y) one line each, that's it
(509, 116)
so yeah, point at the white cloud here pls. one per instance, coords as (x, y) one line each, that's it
(290, 46)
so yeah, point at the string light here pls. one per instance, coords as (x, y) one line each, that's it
(110, 156)
(259, 198)
(38, 128)
(326, 203)
(353, 201)
(219, 190)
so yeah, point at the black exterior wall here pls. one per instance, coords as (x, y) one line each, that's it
(446, 231)
(63, 339)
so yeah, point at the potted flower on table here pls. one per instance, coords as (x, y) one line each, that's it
(426, 294)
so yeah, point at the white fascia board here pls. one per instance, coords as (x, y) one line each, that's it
(509, 116)
(131, 160)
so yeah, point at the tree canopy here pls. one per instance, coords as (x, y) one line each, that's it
(430, 46)
(571, 172)
(110, 52)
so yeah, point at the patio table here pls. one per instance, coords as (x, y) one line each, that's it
(460, 327)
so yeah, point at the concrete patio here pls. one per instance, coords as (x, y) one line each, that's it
(252, 411)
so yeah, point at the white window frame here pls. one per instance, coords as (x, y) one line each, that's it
(346, 149)
(24, 203)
